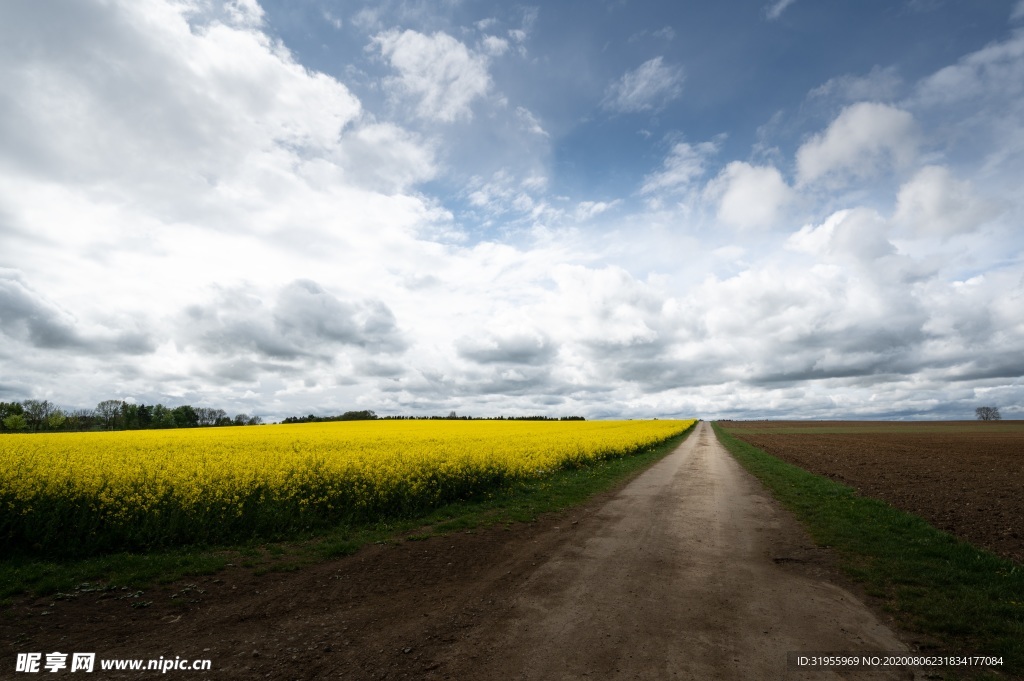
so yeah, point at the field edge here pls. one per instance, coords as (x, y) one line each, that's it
(968, 599)
(521, 502)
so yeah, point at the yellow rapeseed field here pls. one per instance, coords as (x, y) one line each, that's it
(88, 492)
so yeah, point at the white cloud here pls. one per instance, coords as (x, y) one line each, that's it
(505, 194)
(750, 196)
(587, 210)
(494, 45)
(934, 203)
(650, 86)
(863, 138)
(333, 20)
(684, 164)
(304, 321)
(775, 10)
(207, 155)
(437, 70)
(245, 13)
(665, 33)
(530, 121)
(996, 70)
(368, 18)
(384, 157)
(858, 233)
(1018, 11)
(879, 84)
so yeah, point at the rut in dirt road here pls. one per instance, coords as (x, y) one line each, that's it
(678, 576)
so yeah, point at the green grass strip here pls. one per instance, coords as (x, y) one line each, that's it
(969, 599)
(522, 501)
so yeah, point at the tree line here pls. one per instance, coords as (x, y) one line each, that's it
(36, 416)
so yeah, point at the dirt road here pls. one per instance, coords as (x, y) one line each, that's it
(689, 572)
(679, 576)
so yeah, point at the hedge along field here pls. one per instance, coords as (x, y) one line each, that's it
(76, 494)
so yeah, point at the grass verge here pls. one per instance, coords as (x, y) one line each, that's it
(519, 502)
(970, 600)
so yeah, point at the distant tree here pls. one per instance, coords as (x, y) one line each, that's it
(163, 417)
(144, 415)
(36, 413)
(365, 415)
(15, 423)
(245, 420)
(129, 415)
(80, 419)
(8, 409)
(109, 414)
(205, 416)
(185, 416)
(56, 419)
(988, 414)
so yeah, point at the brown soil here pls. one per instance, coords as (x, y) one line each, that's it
(690, 571)
(962, 477)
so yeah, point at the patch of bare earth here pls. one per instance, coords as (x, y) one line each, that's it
(963, 477)
(690, 571)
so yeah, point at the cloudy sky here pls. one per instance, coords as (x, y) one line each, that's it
(612, 208)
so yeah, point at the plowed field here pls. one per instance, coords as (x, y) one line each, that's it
(966, 478)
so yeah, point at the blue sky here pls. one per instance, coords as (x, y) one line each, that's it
(618, 209)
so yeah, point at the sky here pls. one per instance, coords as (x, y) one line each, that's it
(606, 208)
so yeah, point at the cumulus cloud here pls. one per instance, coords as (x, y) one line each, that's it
(517, 348)
(190, 214)
(859, 142)
(825, 323)
(859, 233)
(27, 317)
(650, 86)
(134, 111)
(750, 196)
(441, 73)
(153, 151)
(934, 203)
(385, 157)
(304, 321)
(245, 12)
(607, 307)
